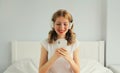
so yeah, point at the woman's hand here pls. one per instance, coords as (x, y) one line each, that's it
(74, 62)
(64, 53)
(57, 54)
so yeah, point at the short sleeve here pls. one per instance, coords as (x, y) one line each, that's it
(76, 45)
(44, 43)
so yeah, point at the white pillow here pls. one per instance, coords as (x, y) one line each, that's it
(92, 66)
(22, 66)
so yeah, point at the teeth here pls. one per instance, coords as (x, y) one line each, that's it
(61, 31)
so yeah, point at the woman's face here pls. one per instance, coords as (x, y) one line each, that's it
(61, 26)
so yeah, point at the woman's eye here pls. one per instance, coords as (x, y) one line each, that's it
(65, 24)
(58, 24)
(61, 24)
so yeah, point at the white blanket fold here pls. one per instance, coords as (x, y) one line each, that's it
(30, 66)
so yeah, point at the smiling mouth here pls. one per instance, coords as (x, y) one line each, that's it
(61, 31)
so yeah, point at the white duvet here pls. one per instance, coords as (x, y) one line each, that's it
(30, 66)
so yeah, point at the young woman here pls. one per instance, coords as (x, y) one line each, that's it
(60, 60)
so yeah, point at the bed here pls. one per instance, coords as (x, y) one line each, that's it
(115, 68)
(26, 55)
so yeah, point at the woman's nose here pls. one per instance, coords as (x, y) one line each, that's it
(62, 25)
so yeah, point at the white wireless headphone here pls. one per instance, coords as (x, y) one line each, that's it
(70, 26)
(52, 24)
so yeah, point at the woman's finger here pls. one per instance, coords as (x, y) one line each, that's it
(61, 52)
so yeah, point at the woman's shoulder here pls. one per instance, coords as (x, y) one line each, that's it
(76, 44)
(44, 42)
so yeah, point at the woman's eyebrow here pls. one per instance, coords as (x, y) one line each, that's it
(62, 22)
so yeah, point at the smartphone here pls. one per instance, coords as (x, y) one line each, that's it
(61, 43)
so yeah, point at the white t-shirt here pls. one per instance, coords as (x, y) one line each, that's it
(61, 65)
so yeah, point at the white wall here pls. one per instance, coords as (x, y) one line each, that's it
(113, 32)
(30, 19)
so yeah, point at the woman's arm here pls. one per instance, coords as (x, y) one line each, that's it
(75, 63)
(45, 64)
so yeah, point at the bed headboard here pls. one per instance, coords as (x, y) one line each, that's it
(31, 49)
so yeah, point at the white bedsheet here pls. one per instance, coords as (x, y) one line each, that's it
(31, 66)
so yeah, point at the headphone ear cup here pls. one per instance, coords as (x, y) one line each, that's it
(51, 25)
(70, 25)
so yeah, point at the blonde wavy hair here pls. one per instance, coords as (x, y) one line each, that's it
(70, 35)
